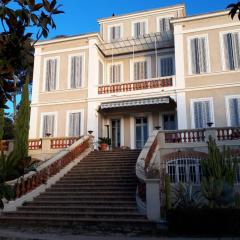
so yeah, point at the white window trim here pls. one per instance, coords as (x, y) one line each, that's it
(166, 56)
(104, 69)
(190, 55)
(69, 70)
(55, 123)
(82, 120)
(222, 52)
(192, 101)
(149, 67)
(109, 30)
(108, 71)
(45, 70)
(162, 17)
(227, 98)
(139, 21)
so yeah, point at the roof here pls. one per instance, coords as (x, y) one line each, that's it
(134, 14)
(200, 16)
(68, 38)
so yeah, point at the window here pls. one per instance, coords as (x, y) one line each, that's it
(48, 125)
(115, 33)
(74, 128)
(234, 111)
(166, 66)
(140, 70)
(231, 42)
(100, 73)
(51, 75)
(115, 73)
(202, 113)
(76, 75)
(139, 29)
(199, 55)
(185, 170)
(164, 24)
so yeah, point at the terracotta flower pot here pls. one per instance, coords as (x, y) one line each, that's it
(104, 147)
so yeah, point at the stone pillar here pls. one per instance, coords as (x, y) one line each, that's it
(153, 199)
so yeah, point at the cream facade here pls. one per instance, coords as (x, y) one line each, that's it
(142, 71)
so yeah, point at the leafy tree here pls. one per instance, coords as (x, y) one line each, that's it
(8, 128)
(234, 9)
(18, 18)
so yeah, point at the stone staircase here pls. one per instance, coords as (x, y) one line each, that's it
(98, 192)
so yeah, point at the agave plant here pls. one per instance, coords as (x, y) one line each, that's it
(185, 196)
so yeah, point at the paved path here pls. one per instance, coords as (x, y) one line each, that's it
(20, 235)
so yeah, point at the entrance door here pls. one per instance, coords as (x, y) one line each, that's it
(141, 132)
(116, 133)
(169, 121)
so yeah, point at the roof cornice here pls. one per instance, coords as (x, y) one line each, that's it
(66, 39)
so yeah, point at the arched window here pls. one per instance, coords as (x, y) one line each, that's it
(185, 170)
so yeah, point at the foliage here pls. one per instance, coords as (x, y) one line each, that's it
(22, 129)
(8, 128)
(184, 196)
(1, 123)
(18, 18)
(7, 171)
(218, 171)
(105, 140)
(168, 192)
(234, 9)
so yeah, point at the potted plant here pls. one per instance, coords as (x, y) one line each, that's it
(104, 142)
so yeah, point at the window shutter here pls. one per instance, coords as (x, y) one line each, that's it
(202, 55)
(118, 73)
(51, 74)
(48, 125)
(136, 71)
(234, 106)
(140, 70)
(194, 56)
(76, 71)
(166, 66)
(236, 50)
(202, 114)
(100, 72)
(74, 124)
(164, 25)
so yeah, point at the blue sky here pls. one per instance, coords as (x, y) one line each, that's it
(81, 15)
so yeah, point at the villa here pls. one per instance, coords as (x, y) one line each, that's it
(158, 83)
(141, 71)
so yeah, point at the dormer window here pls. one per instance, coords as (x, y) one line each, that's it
(164, 24)
(139, 29)
(115, 33)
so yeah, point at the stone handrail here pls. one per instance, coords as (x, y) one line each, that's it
(48, 169)
(136, 85)
(143, 162)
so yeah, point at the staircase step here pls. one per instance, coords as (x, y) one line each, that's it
(78, 208)
(85, 198)
(63, 214)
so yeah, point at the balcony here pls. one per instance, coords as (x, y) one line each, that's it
(153, 41)
(136, 85)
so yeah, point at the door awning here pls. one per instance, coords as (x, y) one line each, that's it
(135, 103)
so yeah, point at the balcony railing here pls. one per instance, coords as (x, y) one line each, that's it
(136, 85)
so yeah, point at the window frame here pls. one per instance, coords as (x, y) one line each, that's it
(149, 68)
(227, 106)
(69, 69)
(45, 72)
(222, 50)
(108, 72)
(103, 82)
(211, 104)
(139, 21)
(190, 55)
(68, 122)
(109, 31)
(55, 123)
(159, 65)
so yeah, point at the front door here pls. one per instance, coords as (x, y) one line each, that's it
(169, 121)
(141, 132)
(116, 133)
